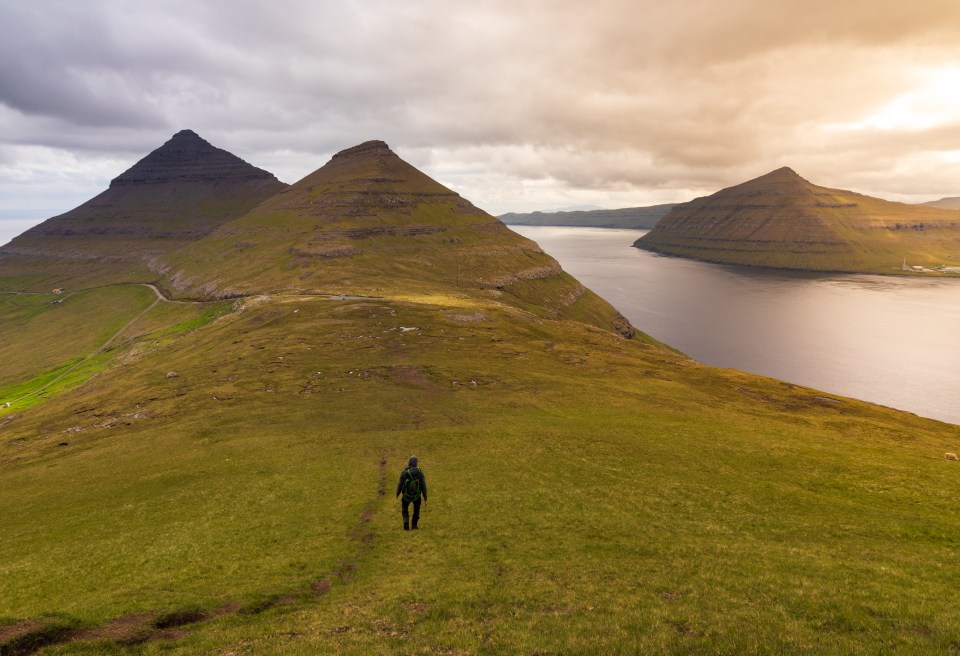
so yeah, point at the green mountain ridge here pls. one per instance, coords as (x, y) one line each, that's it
(780, 220)
(210, 469)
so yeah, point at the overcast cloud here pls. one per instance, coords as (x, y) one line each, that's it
(516, 105)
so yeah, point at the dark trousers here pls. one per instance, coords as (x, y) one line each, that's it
(405, 511)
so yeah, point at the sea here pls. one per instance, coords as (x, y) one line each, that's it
(889, 340)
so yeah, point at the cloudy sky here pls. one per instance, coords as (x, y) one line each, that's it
(517, 105)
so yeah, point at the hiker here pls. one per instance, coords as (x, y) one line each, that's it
(412, 486)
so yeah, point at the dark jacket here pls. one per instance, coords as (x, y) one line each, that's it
(417, 473)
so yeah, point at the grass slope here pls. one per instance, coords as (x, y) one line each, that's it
(588, 495)
(40, 331)
(780, 220)
(368, 223)
(949, 203)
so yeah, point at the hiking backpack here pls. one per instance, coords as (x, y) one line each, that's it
(411, 486)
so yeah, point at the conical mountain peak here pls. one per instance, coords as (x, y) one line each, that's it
(187, 133)
(783, 175)
(178, 193)
(374, 148)
(187, 157)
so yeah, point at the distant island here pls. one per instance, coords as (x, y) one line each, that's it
(781, 220)
(631, 218)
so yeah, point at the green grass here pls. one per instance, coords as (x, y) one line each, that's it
(588, 495)
(36, 333)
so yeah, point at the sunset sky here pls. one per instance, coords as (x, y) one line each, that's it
(515, 105)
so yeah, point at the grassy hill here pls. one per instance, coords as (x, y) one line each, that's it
(950, 203)
(367, 223)
(223, 482)
(633, 218)
(781, 220)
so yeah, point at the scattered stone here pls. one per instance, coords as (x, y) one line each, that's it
(171, 374)
(468, 318)
(950, 456)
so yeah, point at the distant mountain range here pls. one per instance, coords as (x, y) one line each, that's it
(781, 220)
(949, 203)
(635, 218)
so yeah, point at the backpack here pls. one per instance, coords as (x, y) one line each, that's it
(411, 486)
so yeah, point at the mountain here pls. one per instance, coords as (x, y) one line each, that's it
(781, 220)
(637, 218)
(950, 203)
(200, 459)
(178, 193)
(368, 223)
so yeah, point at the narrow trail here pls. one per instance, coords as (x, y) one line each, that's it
(96, 352)
(161, 296)
(30, 636)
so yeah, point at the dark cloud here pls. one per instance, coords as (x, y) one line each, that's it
(545, 97)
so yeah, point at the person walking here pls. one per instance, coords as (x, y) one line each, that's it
(412, 485)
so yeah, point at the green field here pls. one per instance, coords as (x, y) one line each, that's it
(589, 495)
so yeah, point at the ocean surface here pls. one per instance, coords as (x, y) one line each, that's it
(889, 340)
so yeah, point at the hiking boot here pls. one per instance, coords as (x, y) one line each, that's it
(414, 527)
(406, 527)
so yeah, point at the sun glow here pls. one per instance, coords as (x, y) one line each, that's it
(934, 103)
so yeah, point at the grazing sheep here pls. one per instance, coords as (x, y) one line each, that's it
(950, 456)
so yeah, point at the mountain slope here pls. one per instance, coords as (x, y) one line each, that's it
(223, 483)
(178, 193)
(781, 220)
(368, 223)
(633, 218)
(949, 203)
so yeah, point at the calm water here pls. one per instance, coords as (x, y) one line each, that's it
(888, 340)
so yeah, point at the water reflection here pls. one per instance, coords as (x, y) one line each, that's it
(889, 340)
